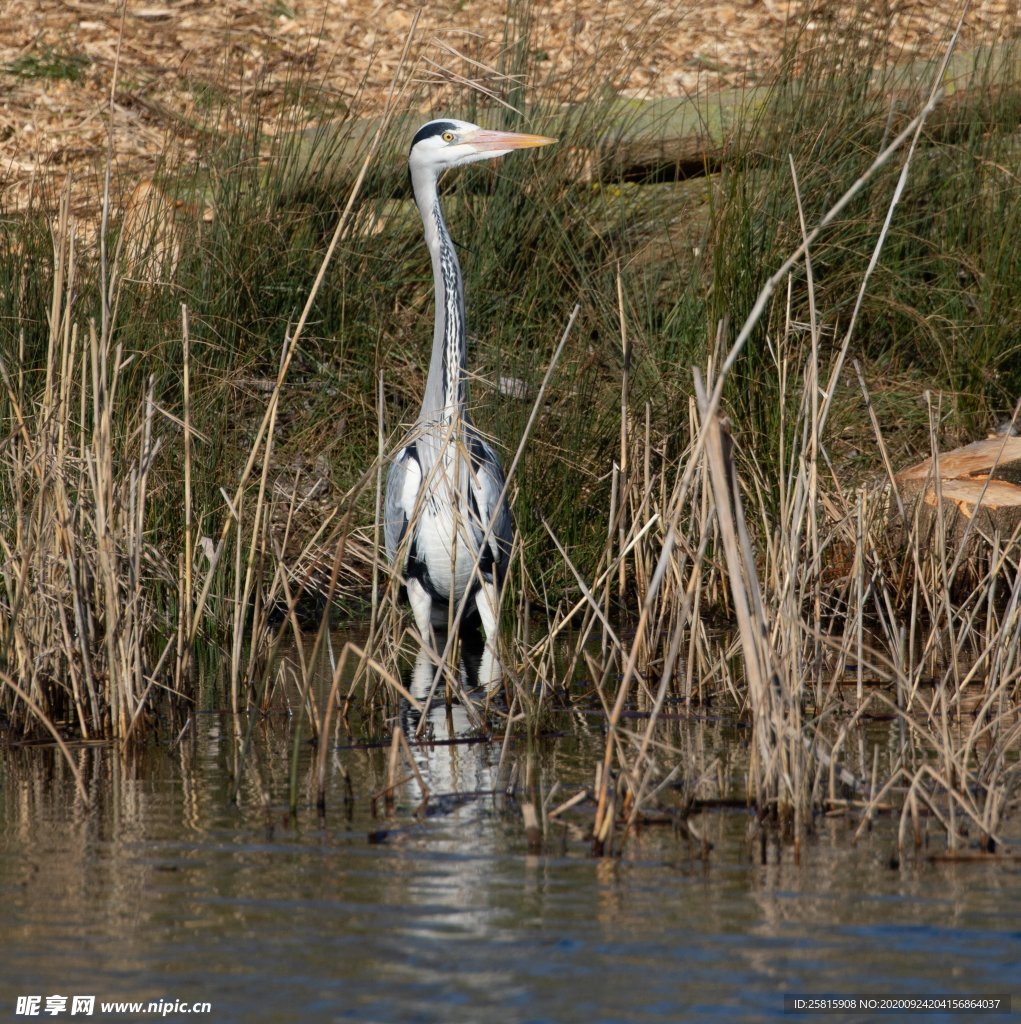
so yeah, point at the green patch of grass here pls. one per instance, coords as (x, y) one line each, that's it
(208, 96)
(50, 63)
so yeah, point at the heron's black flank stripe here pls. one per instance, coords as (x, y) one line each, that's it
(427, 131)
(416, 569)
(477, 451)
(486, 562)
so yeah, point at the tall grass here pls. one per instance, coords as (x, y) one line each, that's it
(196, 420)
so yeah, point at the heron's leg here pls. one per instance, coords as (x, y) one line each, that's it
(421, 607)
(487, 600)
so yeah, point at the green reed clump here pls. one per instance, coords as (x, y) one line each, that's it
(934, 309)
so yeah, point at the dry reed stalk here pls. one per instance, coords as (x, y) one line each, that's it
(770, 709)
(247, 567)
(81, 497)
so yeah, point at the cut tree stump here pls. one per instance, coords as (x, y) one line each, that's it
(982, 478)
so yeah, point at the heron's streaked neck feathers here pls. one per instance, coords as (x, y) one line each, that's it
(446, 388)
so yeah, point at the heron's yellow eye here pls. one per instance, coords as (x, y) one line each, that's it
(448, 136)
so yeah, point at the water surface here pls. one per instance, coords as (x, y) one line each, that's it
(167, 889)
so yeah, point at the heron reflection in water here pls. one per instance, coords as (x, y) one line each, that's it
(437, 717)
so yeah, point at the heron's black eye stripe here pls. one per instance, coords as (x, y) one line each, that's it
(427, 131)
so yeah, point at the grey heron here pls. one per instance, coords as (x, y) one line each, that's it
(447, 526)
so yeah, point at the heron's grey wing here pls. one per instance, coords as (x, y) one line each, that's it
(487, 485)
(403, 481)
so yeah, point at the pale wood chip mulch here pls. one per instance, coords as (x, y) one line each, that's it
(188, 66)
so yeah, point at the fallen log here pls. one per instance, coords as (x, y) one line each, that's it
(668, 138)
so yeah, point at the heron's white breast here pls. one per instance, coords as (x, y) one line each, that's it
(446, 532)
(445, 543)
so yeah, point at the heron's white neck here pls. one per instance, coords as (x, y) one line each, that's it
(446, 387)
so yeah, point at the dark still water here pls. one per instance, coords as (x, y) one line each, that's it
(165, 889)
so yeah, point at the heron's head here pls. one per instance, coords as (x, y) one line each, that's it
(439, 145)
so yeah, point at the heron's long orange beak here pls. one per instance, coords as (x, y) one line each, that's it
(488, 141)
